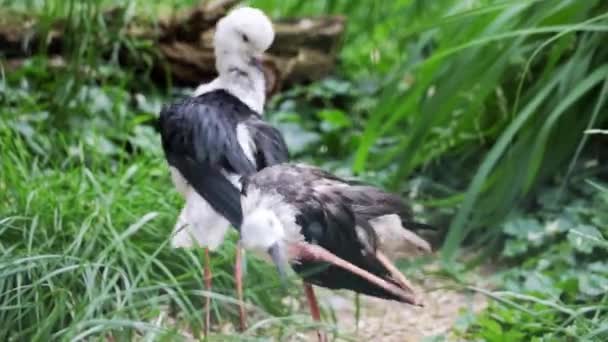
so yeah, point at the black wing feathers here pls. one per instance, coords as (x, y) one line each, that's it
(367, 201)
(204, 129)
(213, 186)
(332, 212)
(331, 224)
(271, 148)
(199, 138)
(370, 202)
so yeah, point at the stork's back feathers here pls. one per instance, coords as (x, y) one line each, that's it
(388, 216)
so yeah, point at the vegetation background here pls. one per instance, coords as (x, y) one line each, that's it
(490, 116)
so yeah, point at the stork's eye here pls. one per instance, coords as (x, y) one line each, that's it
(245, 38)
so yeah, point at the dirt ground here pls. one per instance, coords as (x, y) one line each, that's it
(389, 321)
(386, 321)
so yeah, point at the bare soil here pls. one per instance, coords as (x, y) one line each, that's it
(389, 321)
(381, 320)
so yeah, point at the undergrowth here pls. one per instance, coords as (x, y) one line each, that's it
(87, 211)
(471, 107)
(554, 286)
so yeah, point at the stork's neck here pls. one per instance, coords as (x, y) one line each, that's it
(245, 83)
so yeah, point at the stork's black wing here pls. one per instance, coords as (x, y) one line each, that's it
(325, 218)
(199, 138)
(214, 187)
(290, 174)
(369, 202)
(203, 128)
(270, 147)
(366, 201)
(328, 221)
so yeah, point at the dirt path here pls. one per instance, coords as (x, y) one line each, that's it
(384, 321)
(389, 321)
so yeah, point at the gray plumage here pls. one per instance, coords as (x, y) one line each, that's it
(301, 181)
(347, 218)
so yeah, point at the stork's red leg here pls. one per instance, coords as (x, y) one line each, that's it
(308, 251)
(314, 308)
(238, 276)
(207, 276)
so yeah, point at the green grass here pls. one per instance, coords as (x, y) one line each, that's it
(86, 213)
(508, 87)
(471, 107)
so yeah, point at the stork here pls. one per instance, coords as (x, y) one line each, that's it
(218, 135)
(334, 233)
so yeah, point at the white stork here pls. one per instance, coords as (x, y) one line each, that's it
(218, 135)
(334, 233)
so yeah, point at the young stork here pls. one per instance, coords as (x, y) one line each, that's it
(334, 233)
(218, 135)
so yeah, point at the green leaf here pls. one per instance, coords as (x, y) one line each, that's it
(584, 238)
(526, 229)
(298, 138)
(522, 227)
(600, 267)
(337, 87)
(492, 330)
(457, 230)
(515, 248)
(557, 226)
(539, 283)
(333, 119)
(593, 284)
(580, 90)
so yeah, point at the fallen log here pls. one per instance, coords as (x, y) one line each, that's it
(305, 49)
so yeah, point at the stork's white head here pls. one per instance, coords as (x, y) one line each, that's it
(241, 38)
(261, 229)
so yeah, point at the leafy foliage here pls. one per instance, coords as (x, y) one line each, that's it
(556, 284)
(513, 84)
(472, 106)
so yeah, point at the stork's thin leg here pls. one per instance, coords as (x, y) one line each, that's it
(317, 253)
(207, 276)
(238, 276)
(397, 275)
(314, 308)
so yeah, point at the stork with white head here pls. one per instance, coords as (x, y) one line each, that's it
(334, 233)
(240, 40)
(216, 136)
